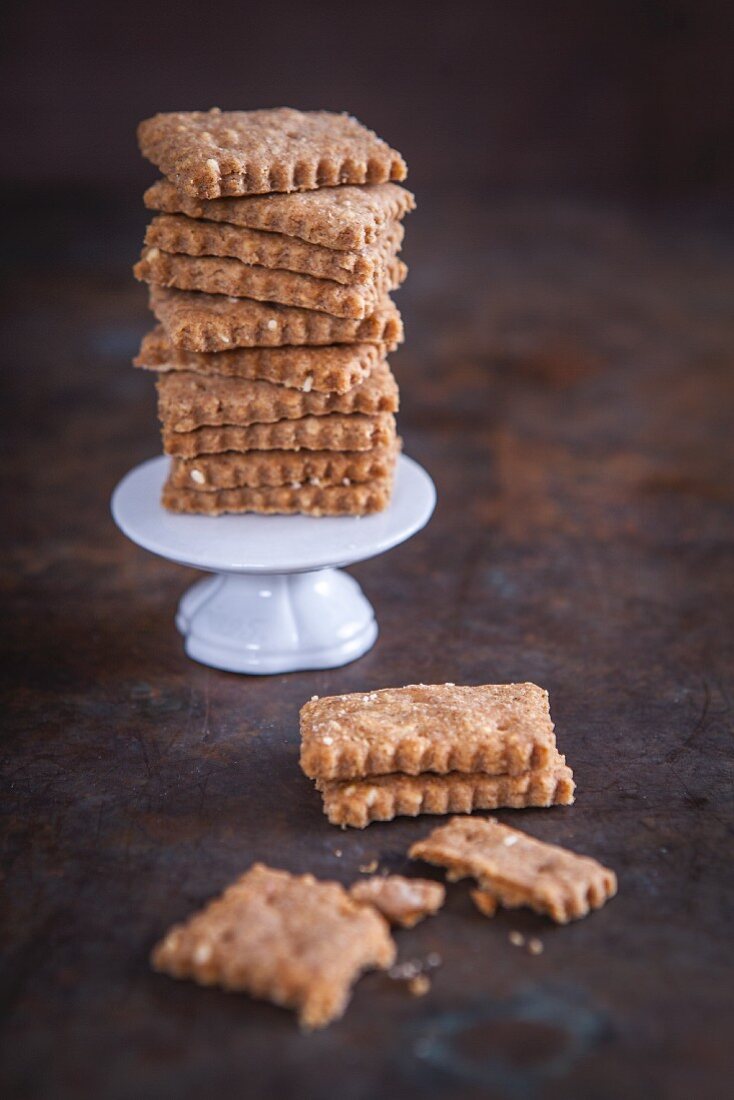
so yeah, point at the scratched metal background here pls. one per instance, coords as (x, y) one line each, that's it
(567, 380)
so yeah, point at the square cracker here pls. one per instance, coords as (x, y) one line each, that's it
(340, 218)
(336, 432)
(517, 870)
(335, 369)
(194, 237)
(266, 469)
(189, 401)
(211, 154)
(360, 499)
(221, 275)
(357, 802)
(495, 728)
(212, 322)
(402, 901)
(282, 938)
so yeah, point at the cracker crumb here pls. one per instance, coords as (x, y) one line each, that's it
(272, 324)
(405, 971)
(535, 946)
(516, 939)
(314, 698)
(338, 853)
(419, 985)
(433, 959)
(369, 868)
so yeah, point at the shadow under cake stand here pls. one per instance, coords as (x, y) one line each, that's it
(278, 601)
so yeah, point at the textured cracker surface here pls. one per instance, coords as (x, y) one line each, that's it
(336, 432)
(357, 802)
(177, 233)
(259, 469)
(360, 499)
(402, 901)
(495, 728)
(220, 275)
(189, 401)
(211, 154)
(341, 218)
(518, 870)
(334, 369)
(211, 322)
(283, 938)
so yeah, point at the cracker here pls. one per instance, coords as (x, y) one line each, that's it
(211, 154)
(360, 499)
(189, 401)
(312, 433)
(341, 218)
(262, 469)
(219, 275)
(211, 322)
(333, 369)
(402, 901)
(177, 233)
(496, 728)
(487, 904)
(518, 870)
(357, 802)
(282, 938)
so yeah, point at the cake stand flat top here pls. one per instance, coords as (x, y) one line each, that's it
(267, 544)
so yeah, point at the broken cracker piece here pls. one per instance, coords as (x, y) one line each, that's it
(403, 901)
(499, 729)
(283, 938)
(517, 869)
(357, 802)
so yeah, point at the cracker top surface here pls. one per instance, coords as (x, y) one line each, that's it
(288, 938)
(494, 728)
(211, 154)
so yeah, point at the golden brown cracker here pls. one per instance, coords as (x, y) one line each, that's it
(282, 938)
(211, 154)
(335, 369)
(220, 275)
(211, 322)
(359, 499)
(341, 218)
(495, 728)
(195, 237)
(402, 901)
(358, 802)
(518, 870)
(335, 432)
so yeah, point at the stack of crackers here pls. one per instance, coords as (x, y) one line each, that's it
(270, 261)
(433, 749)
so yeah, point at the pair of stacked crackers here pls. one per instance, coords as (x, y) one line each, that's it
(433, 749)
(270, 261)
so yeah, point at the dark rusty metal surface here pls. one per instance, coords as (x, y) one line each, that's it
(567, 381)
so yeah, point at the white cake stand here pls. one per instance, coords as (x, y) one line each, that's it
(277, 601)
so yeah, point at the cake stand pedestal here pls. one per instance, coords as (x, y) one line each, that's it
(277, 600)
